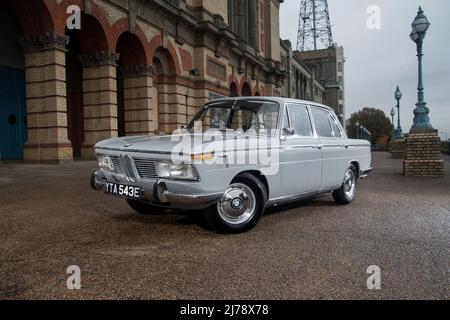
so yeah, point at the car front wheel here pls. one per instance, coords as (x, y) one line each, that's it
(347, 193)
(241, 207)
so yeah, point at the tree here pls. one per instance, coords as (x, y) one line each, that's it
(374, 120)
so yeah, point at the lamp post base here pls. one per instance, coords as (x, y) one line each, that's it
(398, 149)
(398, 133)
(423, 154)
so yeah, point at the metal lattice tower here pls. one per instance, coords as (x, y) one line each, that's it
(314, 28)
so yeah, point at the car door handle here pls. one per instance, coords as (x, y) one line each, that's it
(345, 146)
(318, 146)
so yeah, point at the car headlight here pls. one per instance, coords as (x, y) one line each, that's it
(105, 163)
(171, 170)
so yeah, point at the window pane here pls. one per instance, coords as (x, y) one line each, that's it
(258, 115)
(337, 131)
(300, 120)
(323, 126)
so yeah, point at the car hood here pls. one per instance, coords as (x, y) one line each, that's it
(177, 143)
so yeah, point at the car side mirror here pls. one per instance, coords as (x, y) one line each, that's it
(289, 131)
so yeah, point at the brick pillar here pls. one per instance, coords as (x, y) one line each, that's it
(423, 154)
(46, 99)
(99, 99)
(141, 114)
(172, 104)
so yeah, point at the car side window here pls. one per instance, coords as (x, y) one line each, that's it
(300, 120)
(323, 126)
(336, 129)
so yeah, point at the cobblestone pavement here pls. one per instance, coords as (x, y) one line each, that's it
(51, 219)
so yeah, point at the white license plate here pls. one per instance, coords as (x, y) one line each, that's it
(123, 190)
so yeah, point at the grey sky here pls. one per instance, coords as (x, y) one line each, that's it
(378, 60)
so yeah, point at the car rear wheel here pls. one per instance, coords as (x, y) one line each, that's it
(241, 206)
(145, 208)
(347, 193)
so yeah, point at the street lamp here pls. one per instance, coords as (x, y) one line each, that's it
(398, 131)
(361, 127)
(393, 123)
(420, 26)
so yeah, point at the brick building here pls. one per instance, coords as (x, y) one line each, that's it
(301, 82)
(134, 67)
(328, 67)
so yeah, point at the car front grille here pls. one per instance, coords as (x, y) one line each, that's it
(118, 166)
(145, 168)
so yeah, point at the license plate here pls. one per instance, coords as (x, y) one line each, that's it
(123, 190)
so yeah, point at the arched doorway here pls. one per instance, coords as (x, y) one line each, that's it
(81, 116)
(13, 119)
(164, 74)
(233, 90)
(131, 78)
(246, 90)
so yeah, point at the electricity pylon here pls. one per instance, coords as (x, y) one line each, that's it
(314, 28)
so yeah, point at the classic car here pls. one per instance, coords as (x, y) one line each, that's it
(225, 173)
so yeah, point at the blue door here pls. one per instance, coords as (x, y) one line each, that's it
(13, 126)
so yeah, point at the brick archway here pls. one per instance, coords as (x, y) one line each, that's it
(13, 116)
(246, 90)
(35, 16)
(234, 90)
(135, 114)
(166, 69)
(245, 86)
(88, 86)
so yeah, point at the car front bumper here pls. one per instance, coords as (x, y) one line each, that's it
(164, 193)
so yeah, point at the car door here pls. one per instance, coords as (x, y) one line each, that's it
(334, 147)
(301, 159)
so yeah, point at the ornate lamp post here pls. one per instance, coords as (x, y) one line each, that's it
(398, 131)
(419, 160)
(420, 26)
(393, 123)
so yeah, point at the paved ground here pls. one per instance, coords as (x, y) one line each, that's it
(50, 219)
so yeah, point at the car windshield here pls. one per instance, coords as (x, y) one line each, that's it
(255, 116)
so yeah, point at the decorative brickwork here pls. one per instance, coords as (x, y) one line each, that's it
(422, 157)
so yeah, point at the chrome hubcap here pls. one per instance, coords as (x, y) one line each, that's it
(238, 204)
(350, 184)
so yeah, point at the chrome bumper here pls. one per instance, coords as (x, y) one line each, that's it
(161, 195)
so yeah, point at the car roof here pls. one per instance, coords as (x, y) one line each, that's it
(275, 99)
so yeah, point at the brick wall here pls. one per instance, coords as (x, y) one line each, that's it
(422, 156)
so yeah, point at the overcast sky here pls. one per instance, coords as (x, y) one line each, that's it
(378, 60)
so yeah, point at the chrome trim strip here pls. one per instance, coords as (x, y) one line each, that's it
(297, 197)
(138, 151)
